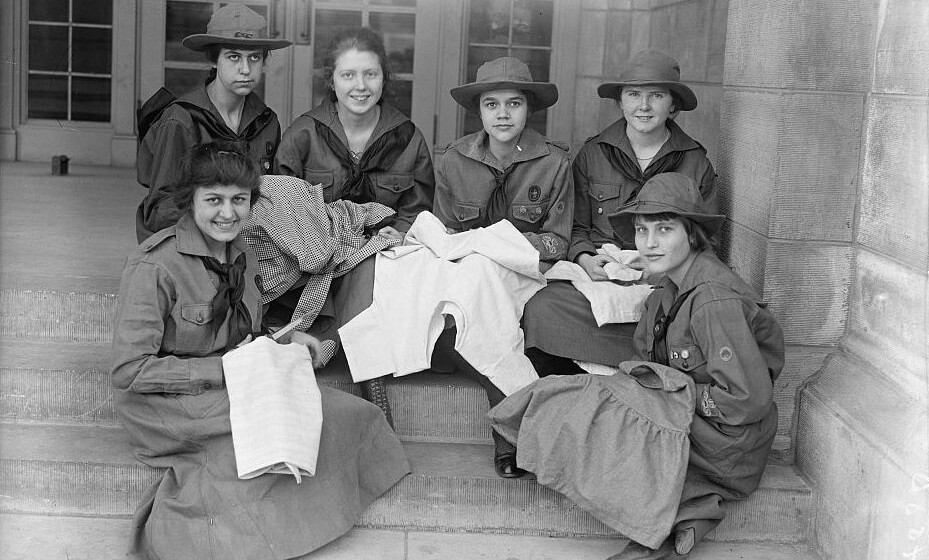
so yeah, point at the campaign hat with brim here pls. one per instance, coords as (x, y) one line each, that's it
(235, 25)
(505, 73)
(674, 193)
(651, 68)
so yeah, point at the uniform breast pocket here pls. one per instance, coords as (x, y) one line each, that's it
(319, 177)
(686, 358)
(391, 186)
(528, 217)
(605, 198)
(195, 328)
(468, 216)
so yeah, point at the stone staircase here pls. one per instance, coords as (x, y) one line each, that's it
(68, 484)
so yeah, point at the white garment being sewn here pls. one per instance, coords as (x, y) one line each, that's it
(482, 277)
(609, 302)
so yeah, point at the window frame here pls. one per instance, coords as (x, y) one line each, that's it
(70, 24)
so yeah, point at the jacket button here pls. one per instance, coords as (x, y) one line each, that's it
(200, 318)
(685, 354)
(600, 196)
(599, 210)
(207, 386)
(657, 329)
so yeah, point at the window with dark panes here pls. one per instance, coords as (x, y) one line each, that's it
(394, 20)
(70, 60)
(519, 28)
(186, 69)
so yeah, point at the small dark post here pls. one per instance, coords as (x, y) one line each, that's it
(60, 165)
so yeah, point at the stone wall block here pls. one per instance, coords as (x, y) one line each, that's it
(702, 124)
(843, 472)
(887, 318)
(591, 43)
(807, 287)
(594, 4)
(716, 47)
(618, 40)
(805, 44)
(901, 521)
(746, 252)
(800, 363)
(689, 39)
(903, 49)
(817, 150)
(748, 156)
(894, 214)
(640, 33)
(589, 116)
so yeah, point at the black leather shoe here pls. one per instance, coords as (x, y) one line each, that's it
(505, 465)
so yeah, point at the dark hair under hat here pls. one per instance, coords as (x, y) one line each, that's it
(505, 72)
(673, 193)
(651, 68)
(238, 25)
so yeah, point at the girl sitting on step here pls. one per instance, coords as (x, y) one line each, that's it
(188, 294)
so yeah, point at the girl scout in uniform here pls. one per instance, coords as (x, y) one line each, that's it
(189, 294)
(505, 172)
(360, 149)
(608, 172)
(703, 320)
(225, 108)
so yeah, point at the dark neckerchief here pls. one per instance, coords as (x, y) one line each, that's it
(229, 296)
(380, 155)
(629, 168)
(662, 322)
(498, 203)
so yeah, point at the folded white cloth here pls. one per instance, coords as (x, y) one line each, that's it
(274, 407)
(609, 302)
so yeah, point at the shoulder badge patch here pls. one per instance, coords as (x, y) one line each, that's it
(725, 353)
(535, 193)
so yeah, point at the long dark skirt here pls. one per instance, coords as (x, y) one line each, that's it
(201, 509)
(558, 320)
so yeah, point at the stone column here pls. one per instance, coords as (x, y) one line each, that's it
(823, 162)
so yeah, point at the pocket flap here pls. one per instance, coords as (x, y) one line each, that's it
(466, 212)
(604, 191)
(531, 213)
(395, 182)
(197, 313)
(318, 177)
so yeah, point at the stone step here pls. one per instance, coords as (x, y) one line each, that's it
(38, 386)
(57, 372)
(89, 471)
(34, 537)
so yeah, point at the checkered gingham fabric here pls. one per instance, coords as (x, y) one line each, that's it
(297, 235)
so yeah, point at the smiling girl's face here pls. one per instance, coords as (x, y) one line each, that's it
(219, 211)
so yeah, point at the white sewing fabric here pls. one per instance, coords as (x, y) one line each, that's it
(609, 302)
(482, 277)
(275, 408)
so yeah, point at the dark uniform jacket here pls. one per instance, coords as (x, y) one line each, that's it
(407, 186)
(539, 189)
(726, 340)
(607, 176)
(176, 131)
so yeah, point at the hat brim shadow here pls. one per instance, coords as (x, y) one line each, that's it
(201, 41)
(541, 95)
(688, 99)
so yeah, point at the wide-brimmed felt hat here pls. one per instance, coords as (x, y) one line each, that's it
(506, 72)
(235, 24)
(655, 69)
(668, 192)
